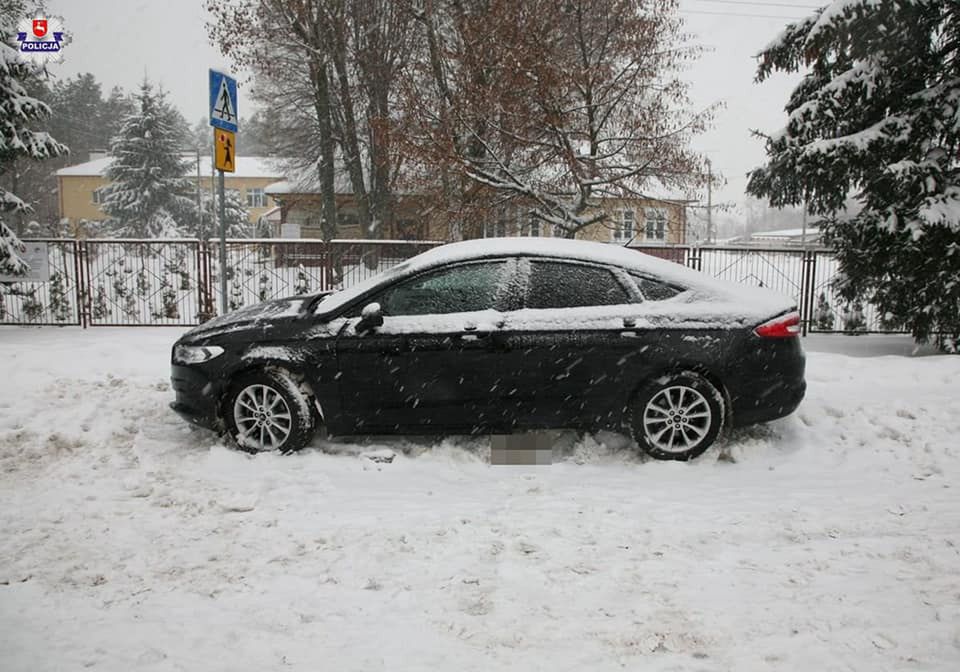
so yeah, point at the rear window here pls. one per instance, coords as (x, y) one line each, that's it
(556, 284)
(654, 290)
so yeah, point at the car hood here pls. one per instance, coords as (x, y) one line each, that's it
(261, 316)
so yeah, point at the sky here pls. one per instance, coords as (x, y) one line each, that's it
(120, 41)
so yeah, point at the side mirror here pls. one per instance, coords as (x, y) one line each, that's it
(371, 317)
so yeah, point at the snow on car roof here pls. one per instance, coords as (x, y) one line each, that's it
(751, 301)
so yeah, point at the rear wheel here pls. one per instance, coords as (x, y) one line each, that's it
(267, 411)
(677, 416)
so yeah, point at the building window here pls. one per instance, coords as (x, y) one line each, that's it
(656, 223)
(256, 198)
(532, 228)
(496, 229)
(98, 196)
(624, 226)
(409, 229)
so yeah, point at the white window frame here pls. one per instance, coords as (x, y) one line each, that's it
(655, 224)
(97, 196)
(256, 198)
(495, 229)
(625, 225)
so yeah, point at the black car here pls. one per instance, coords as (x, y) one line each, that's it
(500, 336)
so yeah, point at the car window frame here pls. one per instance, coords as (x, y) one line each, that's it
(632, 276)
(525, 271)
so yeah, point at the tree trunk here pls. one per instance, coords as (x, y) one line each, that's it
(318, 73)
(349, 141)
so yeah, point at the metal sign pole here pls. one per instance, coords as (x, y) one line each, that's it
(224, 118)
(223, 248)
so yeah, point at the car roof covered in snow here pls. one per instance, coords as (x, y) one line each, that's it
(751, 301)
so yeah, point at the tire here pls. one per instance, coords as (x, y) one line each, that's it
(265, 411)
(677, 416)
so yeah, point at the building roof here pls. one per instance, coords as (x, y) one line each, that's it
(308, 182)
(247, 166)
(811, 232)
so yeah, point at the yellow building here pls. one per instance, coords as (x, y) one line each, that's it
(637, 222)
(80, 185)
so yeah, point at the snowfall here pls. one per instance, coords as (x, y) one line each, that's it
(829, 540)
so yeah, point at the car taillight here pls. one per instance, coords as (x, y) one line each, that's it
(784, 326)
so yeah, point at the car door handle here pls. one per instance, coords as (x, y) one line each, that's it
(474, 335)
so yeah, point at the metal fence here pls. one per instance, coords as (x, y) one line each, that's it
(805, 274)
(175, 282)
(123, 282)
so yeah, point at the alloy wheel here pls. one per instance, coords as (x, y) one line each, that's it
(677, 419)
(262, 418)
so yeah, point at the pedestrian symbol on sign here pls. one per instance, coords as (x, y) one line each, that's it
(224, 108)
(227, 150)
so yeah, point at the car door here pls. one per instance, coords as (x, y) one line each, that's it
(435, 356)
(568, 344)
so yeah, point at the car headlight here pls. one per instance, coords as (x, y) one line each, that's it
(195, 354)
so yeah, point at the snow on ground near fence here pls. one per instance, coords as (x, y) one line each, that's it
(131, 541)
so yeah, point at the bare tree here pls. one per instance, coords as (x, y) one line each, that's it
(551, 105)
(293, 76)
(328, 84)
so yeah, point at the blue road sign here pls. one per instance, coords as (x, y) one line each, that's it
(223, 101)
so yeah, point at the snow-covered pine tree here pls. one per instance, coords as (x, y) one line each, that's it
(168, 297)
(60, 308)
(266, 287)
(853, 319)
(238, 224)
(11, 249)
(302, 285)
(99, 309)
(236, 294)
(145, 198)
(32, 307)
(823, 316)
(877, 116)
(20, 115)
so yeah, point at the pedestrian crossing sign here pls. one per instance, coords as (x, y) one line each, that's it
(223, 101)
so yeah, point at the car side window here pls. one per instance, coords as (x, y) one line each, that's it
(557, 284)
(459, 289)
(654, 290)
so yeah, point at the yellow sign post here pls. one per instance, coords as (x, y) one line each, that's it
(225, 144)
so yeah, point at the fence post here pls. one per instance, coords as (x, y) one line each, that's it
(807, 289)
(203, 287)
(694, 255)
(83, 280)
(78, 283)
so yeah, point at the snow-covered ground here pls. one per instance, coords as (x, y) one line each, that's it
(129, 541)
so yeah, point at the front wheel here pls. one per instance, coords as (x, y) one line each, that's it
(677, 416)
(267, 411)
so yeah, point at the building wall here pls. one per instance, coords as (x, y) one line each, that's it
(627, 221)
(77, 194)
(653, 223)
(667, 222)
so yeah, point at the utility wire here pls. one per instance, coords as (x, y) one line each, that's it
(752, 16)
(763, 4)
